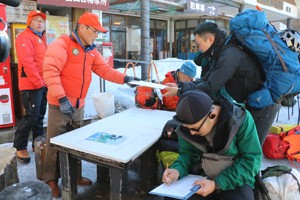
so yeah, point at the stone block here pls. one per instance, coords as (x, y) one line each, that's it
(31, 190)
(8, 167)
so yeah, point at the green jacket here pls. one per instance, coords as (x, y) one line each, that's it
(245, 147)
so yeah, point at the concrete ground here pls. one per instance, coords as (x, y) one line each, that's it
(27, 172)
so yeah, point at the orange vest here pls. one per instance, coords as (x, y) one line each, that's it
(30, 50)
(68, 70)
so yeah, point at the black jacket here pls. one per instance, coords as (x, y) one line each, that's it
(230, 66)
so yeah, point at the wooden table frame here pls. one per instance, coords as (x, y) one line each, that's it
(107, 170)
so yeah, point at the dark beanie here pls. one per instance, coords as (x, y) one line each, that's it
(192, 107)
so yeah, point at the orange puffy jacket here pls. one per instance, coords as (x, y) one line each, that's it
(30, 49)
(170, 103)
(68, 70)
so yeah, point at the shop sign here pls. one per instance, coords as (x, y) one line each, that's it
(196, 6)
(90, 4)
(272, 3)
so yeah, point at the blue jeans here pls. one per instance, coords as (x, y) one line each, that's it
(35, 103)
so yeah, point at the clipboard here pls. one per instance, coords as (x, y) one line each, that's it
(180, 189)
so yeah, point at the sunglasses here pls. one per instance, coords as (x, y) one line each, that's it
(92, 29)
(203, 122)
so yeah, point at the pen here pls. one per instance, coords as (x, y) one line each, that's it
(168, 175)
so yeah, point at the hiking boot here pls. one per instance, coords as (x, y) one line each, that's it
(84, 181)
(54, 189)
(23, 156)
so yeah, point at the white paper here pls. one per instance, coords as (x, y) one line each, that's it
(148, 84)
(179, 189)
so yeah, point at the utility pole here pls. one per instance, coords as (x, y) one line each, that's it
(145, 37)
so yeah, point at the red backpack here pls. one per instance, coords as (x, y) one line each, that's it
(275, 147)
(147, 97)
(292, 137)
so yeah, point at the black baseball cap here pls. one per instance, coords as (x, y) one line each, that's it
(192, 106)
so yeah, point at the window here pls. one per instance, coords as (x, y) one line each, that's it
(161, 24)
(192, 23)
(105, 20)
(118, 20)
(180, 25)
(133, 22)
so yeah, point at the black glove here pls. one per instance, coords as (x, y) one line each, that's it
(66, 107)
(127, 79)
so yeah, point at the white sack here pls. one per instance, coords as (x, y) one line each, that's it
(283, 187)
(104, 103)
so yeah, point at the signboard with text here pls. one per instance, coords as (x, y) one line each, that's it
(90, 4)
(196, 6)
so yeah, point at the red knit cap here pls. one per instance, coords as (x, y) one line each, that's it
(34, 13)
(91, 19)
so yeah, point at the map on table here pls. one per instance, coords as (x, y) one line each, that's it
(107, 138)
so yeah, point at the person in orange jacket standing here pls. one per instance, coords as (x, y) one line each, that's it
(186, 73)
(68, 66)
(31, 47)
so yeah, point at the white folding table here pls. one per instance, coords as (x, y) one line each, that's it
(112, 143)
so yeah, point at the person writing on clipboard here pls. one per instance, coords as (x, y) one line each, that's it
(217, 139)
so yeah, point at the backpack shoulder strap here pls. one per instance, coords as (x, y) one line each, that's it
(276, 47)
(259, 185)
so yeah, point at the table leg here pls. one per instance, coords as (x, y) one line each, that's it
(118, 183)
(102, 174)
(149, 176)
(68, 170)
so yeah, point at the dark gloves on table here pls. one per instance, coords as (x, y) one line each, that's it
(66, 107)
(127, 79)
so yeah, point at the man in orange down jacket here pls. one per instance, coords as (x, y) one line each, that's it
(186, 73)
(31, 47)
(69, 63)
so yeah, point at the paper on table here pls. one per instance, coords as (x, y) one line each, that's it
(180, 189)
(148, 84)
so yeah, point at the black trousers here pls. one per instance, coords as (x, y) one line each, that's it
(263, 119)
(35, 104)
